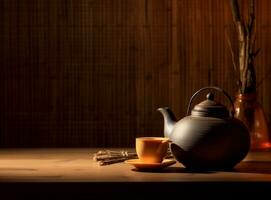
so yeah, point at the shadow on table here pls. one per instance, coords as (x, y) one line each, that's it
(258, 167)
(172, 170)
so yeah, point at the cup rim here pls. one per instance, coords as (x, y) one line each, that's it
(153, 138)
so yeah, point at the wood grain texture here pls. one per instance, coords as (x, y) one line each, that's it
(80, 73)
(77, 165)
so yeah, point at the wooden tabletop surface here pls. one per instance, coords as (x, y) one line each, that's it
(77, 165)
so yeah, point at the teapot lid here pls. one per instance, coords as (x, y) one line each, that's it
(210, 108)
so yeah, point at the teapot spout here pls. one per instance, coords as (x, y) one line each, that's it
(169, 120)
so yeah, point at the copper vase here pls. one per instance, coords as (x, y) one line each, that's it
(251, 113)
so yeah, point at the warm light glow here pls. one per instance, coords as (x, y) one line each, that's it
(266, 145)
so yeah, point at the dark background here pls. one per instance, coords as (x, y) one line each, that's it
(91, 73)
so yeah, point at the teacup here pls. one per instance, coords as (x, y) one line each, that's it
(152, 149)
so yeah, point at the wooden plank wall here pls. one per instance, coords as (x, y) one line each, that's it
(91, 73)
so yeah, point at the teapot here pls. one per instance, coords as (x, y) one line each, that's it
(210, 138)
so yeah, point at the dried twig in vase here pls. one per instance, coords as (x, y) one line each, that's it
(246, 43)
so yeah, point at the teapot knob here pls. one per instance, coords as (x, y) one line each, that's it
(210, 96)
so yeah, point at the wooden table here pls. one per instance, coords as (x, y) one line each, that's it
(73, 172)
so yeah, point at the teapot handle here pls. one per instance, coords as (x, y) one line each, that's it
(206, 88)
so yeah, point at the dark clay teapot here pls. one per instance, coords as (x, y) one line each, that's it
(209, 138)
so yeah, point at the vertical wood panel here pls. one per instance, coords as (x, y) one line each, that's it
(92, 73)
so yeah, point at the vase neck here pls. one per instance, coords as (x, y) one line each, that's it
(247, 96)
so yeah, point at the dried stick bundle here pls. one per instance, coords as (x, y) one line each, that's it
(106, 157)
(246, 42)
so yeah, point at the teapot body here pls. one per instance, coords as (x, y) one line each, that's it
(209, 142)
(209, 137)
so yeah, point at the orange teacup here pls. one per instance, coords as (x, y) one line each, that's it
(152, 149)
